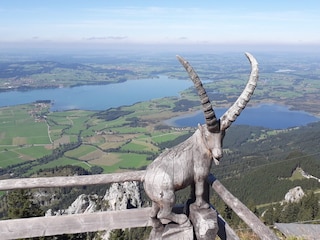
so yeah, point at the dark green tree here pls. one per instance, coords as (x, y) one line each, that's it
(117, 234)
(271, 214)
(139, 233)
(96, 170)
(290, 213)
(309, 207)
(20, 205)
(230, 216)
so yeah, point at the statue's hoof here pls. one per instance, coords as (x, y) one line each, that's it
(186, 224)
(200, 205)
(205, 206)
(165, 221)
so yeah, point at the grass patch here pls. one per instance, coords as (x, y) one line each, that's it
(8, 158)
(127, 161)
(34, 151)
(64, 161)
(107, 160)
(165, 137)
(135, 146)
(296, 175)
(80, 151)
(19, 126)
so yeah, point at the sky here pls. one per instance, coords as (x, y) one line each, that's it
(165, 22)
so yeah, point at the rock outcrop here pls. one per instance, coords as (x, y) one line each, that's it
(83, 204)
(123, 196)
(294, 195)
(118, 197)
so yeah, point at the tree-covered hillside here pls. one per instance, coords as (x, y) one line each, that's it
(258, 163)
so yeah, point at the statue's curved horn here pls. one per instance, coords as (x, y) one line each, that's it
(213, 124)
(234, 111)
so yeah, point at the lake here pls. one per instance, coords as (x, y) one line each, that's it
(102, 97)
(99, 97)
(271, 116)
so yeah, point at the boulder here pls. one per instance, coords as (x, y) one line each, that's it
(294, 195)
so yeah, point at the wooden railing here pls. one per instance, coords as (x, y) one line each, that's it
(92, 222)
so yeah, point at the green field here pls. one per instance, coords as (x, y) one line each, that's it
(59, 162)
(128, 161)
(29, 134)
(165, 137)
(23, 135)
(19, 127)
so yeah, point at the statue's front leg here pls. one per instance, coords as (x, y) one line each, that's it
(199, 190)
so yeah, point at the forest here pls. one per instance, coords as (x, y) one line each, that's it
(258, 167)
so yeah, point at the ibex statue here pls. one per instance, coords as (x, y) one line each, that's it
(189, 162)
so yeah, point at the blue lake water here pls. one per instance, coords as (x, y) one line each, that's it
(266, 115)
(102, 97)
(99, 97)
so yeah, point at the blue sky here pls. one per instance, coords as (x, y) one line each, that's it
(209, 22)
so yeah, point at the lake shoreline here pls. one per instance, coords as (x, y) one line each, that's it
(268, 115)
(171, 122)
(99, 97)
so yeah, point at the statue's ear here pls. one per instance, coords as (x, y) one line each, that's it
(201, 128)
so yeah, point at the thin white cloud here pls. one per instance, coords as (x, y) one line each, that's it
(106, 38)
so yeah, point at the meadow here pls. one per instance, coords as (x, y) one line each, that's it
(23, 135)
(30, 133)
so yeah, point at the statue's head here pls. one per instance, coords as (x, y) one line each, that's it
(213, 142)
(214, 130)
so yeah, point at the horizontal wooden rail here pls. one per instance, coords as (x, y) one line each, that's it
(46, 226)
(299, 230)
(47, 182)
(77, 223)
(90, 222)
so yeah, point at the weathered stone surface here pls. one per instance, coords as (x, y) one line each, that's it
(205, 222)
(124, 195)
(174, 231)
(119, 196)
(294, 195)
(171, 231)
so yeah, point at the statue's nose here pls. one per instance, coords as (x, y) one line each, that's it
(217, 153)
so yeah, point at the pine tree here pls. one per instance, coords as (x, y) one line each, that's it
(269, 215)
(272, 214)
(290, 213)
(117, 234)
(20, 205)
(309, 207)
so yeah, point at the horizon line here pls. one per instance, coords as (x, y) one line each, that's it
(158, 47)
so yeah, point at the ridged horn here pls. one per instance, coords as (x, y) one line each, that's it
(212, 122)
(234, 111)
